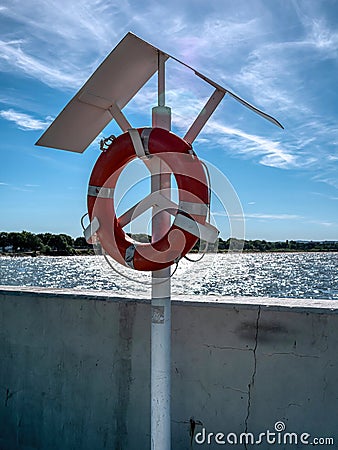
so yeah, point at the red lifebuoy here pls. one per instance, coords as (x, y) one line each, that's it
(193, 189)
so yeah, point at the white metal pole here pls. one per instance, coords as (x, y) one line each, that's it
(160, 302)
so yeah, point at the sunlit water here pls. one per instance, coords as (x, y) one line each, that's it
(297, 275)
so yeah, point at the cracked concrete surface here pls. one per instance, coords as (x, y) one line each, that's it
(79, 366)
(254, 371)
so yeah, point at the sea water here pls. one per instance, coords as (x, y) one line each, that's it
(295, 275)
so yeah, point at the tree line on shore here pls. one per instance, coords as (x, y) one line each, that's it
(63, 244)
(43, 243)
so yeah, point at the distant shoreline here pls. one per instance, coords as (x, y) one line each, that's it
(26, 243)
(92, 253)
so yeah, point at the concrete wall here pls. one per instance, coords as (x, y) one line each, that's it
(75, 370)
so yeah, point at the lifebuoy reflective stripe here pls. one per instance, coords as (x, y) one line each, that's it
(193, 192)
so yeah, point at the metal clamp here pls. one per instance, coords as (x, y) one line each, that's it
(105, 143)
(101, 192)
(140, 143)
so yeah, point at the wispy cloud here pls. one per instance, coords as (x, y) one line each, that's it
(271, 153)
(329, 197)
(278, 217)
(273, 72)
(17, 187)
(282, 216)
(324, 39)
(318, 32)
(324, 223)
(203, 41)
(62, 55)
(24, 121)
(272, 216)
(72, 22)
(21, 189)
(261, 216)
(12, 54)
(327, 178)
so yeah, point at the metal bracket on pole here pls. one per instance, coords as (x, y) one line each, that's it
(107, 105)
(119, 117)
(136, 139)
(204, 116)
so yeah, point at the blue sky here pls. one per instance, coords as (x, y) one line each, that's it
(282, 56)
